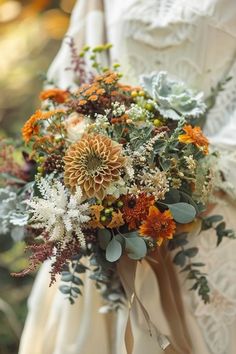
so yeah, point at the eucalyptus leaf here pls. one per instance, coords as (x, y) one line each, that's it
(120, 239)
(173, 196)
(77, 290)
(77, 281)
(131, 234)
(104, 237)
(80, 268)
(66, 276)
(178, 241)
(198, 264)
(191, 252)
(136, 247)
(221, 227)
(183, 213)
(214, 218)
(65, 289)
(180, 259)
(113, 250)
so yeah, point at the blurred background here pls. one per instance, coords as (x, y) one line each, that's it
(30, 36)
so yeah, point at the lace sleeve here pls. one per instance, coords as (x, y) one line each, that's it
(86, 16)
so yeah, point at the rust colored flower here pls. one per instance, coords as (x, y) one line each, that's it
(93, 163)
(194, 135)
(31, 127)
(158, 225)
(136, 208)
(57, 95)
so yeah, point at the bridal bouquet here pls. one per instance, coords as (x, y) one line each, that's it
(111, 171)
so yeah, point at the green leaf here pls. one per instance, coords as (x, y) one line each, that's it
(165, 164)
(76, 290)
(66, 276)
(72, 301)
(191, 252)
(189, 200)
(180, 259)
(173, 196)
(214, 218)
(104, 237)
(183, 213)
(136, 247)
(113, 250)
(11, 178)
(80, 268)
(65, 289)
(120, 239)
(195, 286)
(178, 241)
(198, 264)
(220, 227)
(131, 234)
(77, 281)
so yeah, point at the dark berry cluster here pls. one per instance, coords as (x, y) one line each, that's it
(54, 162)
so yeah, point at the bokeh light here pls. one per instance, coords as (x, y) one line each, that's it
(30, 36)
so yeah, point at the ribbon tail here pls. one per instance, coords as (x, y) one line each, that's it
(127, 271)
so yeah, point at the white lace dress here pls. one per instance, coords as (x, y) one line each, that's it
(196, 42)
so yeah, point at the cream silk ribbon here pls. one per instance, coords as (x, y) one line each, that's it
(177, 342)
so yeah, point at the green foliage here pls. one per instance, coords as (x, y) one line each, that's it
(183, 259)
(104, 237)
(140, 135)
(71, 281)
(135, 246)
(216, 223)
(106, 278)
(183, 213)
(113, 250)
(115, 245)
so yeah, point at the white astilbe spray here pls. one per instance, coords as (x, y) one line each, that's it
(58, 212)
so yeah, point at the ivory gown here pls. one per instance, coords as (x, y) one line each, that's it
(196, 42)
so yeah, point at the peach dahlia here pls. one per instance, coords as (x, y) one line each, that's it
(93, 163)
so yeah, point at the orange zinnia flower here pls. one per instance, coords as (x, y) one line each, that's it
(135, 209)
(56, 95)
(194, 135)
(158, 225)
(31, 128)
